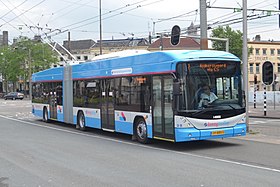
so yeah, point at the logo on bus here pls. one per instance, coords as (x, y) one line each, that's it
(122, 117)
(122, 71)
(215, 124)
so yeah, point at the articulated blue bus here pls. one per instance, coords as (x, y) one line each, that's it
(156, 95)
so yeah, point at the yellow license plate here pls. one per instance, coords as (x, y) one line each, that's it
(214, 133)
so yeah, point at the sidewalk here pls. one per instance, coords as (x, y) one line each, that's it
(257, 131)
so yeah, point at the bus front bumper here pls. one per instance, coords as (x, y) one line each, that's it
(191, 134)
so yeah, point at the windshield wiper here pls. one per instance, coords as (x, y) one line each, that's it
(202, 111)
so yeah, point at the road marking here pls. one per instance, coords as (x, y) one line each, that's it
(273, 120)
(147, 147)
(257, 122)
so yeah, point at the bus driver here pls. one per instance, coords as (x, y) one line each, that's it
(207, 96)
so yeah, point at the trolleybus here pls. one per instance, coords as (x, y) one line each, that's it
(155, 95)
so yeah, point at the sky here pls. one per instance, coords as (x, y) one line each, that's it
(130, 18)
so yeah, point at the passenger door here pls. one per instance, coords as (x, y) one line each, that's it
(53, 101)
(162, 107)
(107, 104)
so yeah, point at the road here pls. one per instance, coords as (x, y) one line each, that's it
(33, 153)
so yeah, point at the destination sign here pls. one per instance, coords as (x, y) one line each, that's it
(213, 67)
(218, 67)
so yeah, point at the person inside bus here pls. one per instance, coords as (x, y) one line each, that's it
(207, 97)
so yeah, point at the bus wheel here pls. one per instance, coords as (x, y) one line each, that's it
(45, 115)
(141, 131)
(81, 121)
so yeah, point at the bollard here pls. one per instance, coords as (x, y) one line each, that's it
(264, 100)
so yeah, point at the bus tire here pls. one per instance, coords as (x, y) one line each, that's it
(45, 115)
(81, 121)
(141, 131)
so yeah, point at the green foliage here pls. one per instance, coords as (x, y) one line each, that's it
(25, 56)
(235, 40)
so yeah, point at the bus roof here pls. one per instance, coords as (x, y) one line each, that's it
(139, 64)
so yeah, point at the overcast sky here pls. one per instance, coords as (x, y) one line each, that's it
(127, 18)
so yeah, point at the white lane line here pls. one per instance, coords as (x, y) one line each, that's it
(145, 146)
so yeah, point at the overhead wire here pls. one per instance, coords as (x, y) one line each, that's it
(109, 12)
(104, 18)
(24, 12)
(10, 10)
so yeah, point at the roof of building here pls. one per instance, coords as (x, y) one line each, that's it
(186, 43)
(265, 42)
(79, 44)
(129, 42)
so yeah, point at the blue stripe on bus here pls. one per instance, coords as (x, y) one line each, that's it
(240, 129)
(124, 127)
(93, 122)
(38, 113)
(60, 117)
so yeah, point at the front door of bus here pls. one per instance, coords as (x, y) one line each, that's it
(107, 104)
(162, 109)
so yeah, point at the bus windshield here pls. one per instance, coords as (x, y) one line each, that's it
(210, 85)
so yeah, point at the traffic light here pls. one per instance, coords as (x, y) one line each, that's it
(267, 73)
(175, 35)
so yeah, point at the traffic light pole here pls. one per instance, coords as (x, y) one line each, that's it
(203, 25)
(245, 60)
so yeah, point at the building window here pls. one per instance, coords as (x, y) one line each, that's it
(272, 52)
(257, 68)
(78, 57)
(85, 57)
(251, 69)
(264, 51)
(278, 68)
(61, 59)
(278, 52)
(257, 51)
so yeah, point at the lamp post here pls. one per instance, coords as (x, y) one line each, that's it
(100, 29)
(30, 73)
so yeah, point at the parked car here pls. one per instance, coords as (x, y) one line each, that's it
(14, 96)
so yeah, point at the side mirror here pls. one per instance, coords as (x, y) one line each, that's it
(177, 89)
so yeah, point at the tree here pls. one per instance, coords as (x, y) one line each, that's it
(235, 40)
(24, 57)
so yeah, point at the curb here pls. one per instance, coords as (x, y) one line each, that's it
(266, 117)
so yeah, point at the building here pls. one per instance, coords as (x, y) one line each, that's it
(114, 45)
(263, 51)
(4, 39)
(85, 50)
(80, 49)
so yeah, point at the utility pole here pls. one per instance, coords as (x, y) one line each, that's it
(245, 60)
(69, 46)
(100, 29)
(30, 73)
(203, 25)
